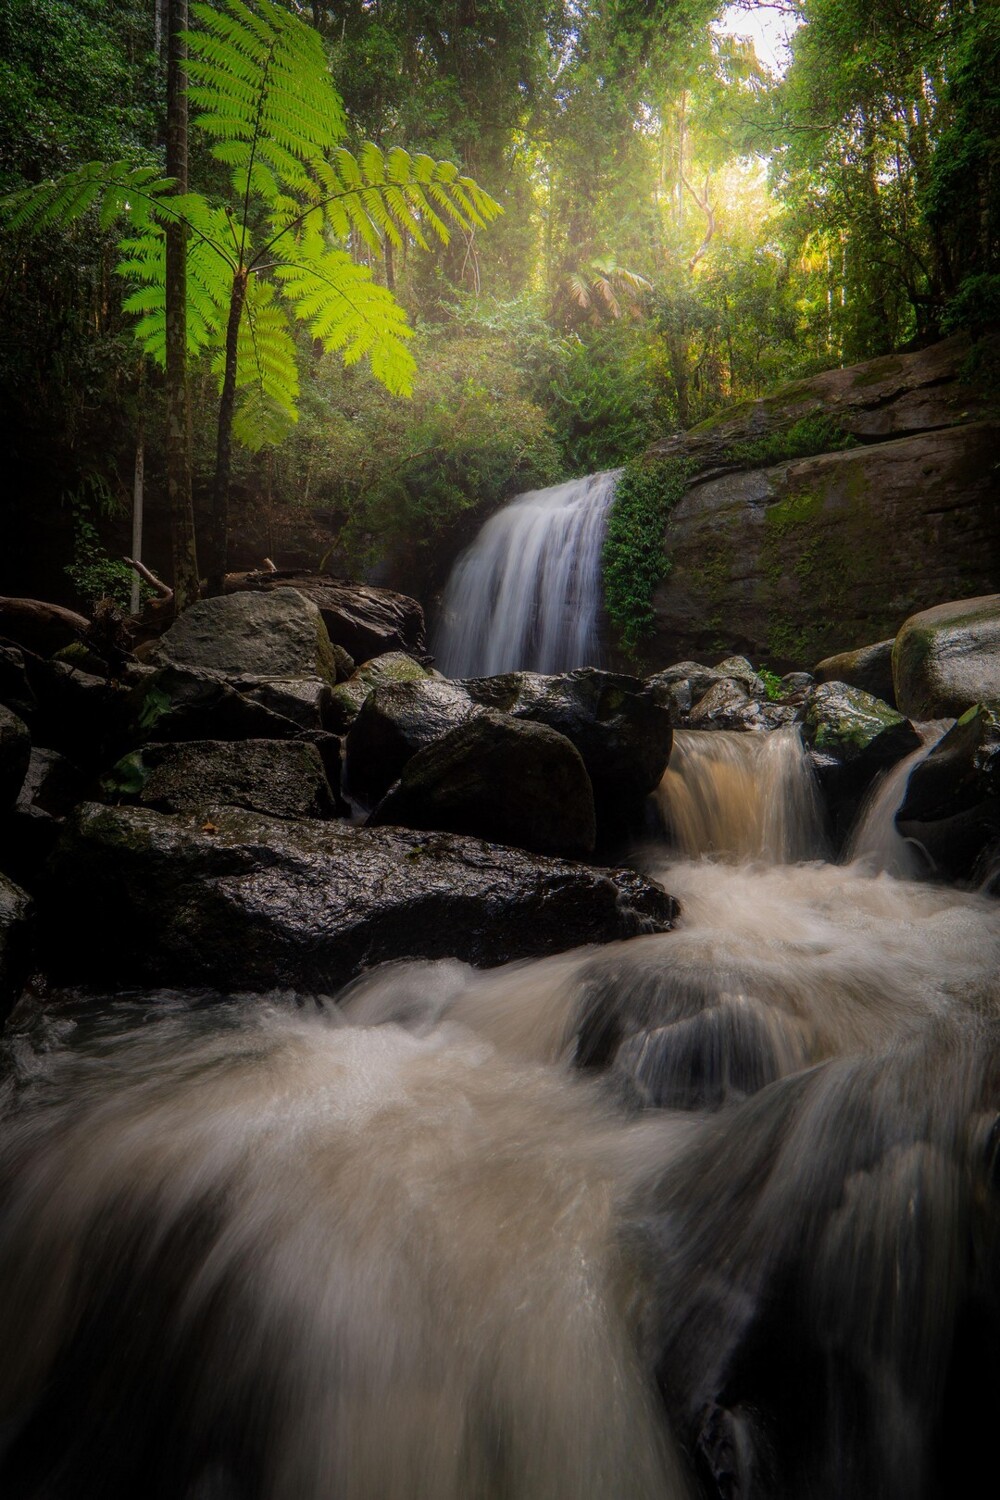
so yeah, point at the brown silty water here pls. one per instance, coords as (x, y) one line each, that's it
(708, 1213)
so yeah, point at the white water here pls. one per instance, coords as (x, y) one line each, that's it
(522, 1234)
(526, 595)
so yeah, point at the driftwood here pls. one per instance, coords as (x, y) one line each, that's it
(40, 626)
(163, 589)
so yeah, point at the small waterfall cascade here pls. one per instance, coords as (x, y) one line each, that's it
(526, 595)
(729, 795)
(875, 840)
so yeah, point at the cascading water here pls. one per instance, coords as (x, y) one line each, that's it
(713, 1213)
(526, 595)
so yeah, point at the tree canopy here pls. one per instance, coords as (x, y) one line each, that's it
(682, 227)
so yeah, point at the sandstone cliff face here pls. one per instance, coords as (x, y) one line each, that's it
(792, 562)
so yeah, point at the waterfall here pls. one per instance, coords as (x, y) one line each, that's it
(741, 796)
(875, 840)
(526, 595)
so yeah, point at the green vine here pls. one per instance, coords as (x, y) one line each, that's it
(633, 558)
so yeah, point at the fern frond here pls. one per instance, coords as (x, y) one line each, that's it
(262, 91)
(267, 371)
(209, 284)
(114, 189)
(344, 308)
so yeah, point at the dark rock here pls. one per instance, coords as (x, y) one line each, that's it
(345, 663)
(276, 634)
(698, 678)
(52, 784)
(307, 701)
(798, 682)
(948, 658)
(15, 753)
(952, 801)
(15, 690)
(852, 737)
(619, 724)
(727, 705)
(369, 622)
(508, 780)
(395, 721)
(868, 668)
(179, 703)
(363, 620)
(15, 942)
(331, 753)
(238, 900)
(347, 697)
(82, 716)
(284, 778)
(738, 669)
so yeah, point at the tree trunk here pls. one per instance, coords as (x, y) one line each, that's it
(224, 440)
(185, 557)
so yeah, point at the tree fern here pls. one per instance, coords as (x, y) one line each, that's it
(263, 96)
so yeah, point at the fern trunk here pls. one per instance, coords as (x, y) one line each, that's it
(224, 440)
(181, 510)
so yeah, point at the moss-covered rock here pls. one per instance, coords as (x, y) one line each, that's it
(347, 697)
(868, 668)
(275, 634)
(947, 658)
(852, 737)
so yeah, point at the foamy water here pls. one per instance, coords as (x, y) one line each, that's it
(709, 1212)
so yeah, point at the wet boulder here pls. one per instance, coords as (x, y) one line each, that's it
(80, 715)
(367, 621)
(15, 942)
(728, 705)
(15, 753)
(276, 634)
(52, 787)
(237, 900)
(952, 802)
(307, 701)
(396, 720)
(182, 703)
(868, 668)
(738, 669)
(619, 724)
(852, 737)
(347, 697)
(697, 678)
(948, 658)
(284, 778)
(15, 689)
(508, 780)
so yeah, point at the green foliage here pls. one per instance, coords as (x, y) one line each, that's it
(634, 559)
(604, 405)
(93, 574)
(976, 304)
(773, 685)
(814, 433)
(266, 102)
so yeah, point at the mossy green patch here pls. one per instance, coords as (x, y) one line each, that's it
(634, 558)
(811, 434)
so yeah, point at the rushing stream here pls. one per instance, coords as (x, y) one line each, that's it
(712, 1213)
